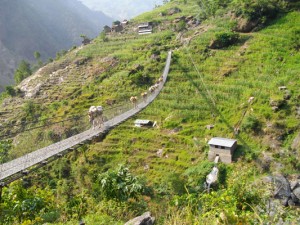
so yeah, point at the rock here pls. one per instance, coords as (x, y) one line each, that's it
(282, 189)
(294, 198)
(297, 192)
(245, 25)
(160, 153)
(296, 142)
(291, 202)
(144, 219)
(173, 11)
(294, 184)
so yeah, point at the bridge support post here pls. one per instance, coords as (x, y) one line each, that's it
(0, 194)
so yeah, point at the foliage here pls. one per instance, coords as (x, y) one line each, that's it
(10, 90)
(251, 123)
(103, 36)
(20, 204)
(224, 39)
(22, 71)
(5, 147)
(258, 9)
(120, 184)
(197, 176)
(208, 8)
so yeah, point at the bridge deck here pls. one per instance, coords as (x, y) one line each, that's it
(22, 163)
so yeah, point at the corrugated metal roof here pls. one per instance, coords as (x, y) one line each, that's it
(138, 121)
(222, 142)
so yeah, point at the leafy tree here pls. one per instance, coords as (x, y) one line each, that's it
(10, 90)
(117, 22)
(258, 9)
(120, 184)
(209, 8)
(37, 56)
(22, 71)
(103, 36)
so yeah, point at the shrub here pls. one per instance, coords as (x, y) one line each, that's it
(224, 39)
(10, 90)
(120, 184)
(258, 9)
(251, 123)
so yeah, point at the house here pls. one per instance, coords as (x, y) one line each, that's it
(124, 23)
(106, 29)
(222, 147)
(86, 41)
(117, 28)
(144, 123)
(145, 28)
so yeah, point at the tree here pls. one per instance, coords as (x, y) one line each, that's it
(120, 184)
(258, 9)
(103, 36)
(22, 71)
(37, 56)
(10, 90)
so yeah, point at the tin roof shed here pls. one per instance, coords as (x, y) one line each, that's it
(144, 123)
(226, 142)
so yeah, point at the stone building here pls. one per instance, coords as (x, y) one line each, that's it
(222, 147)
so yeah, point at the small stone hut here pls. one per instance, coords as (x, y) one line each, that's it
(222, 147)
(145, 28)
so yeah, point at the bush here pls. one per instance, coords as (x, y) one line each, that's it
(258, 9)
(251, 123)
(224, 39)
(10, 90)
(120, 184)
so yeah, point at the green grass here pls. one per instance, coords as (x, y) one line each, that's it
(197, 93)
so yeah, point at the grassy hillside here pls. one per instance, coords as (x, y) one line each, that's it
(205, 86)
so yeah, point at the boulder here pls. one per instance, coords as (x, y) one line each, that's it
(144, 219)
(296, 192)
(296, 142)
(282, 189)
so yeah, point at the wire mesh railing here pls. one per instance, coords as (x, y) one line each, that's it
(68, 133)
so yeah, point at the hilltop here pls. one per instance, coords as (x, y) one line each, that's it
(232, 68)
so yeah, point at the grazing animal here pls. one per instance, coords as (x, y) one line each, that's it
(250, 100)
(144, 95)
(152, 89)
(96, 116)
(133, 100)
(161, 79)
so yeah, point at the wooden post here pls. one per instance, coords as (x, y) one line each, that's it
(0, 194)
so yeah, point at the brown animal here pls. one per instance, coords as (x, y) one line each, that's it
(152, 89)
(133, 100)
(161, 79)
(144, 96)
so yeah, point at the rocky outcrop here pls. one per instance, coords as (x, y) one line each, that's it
(144, 219)
(288, 192)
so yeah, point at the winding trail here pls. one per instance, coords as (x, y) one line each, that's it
(40, 156)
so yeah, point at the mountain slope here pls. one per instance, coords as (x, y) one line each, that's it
(246, 87)
(43, 26)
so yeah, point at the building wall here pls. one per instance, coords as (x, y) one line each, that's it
(224, 154)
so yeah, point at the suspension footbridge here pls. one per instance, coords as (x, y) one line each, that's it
(19, 166)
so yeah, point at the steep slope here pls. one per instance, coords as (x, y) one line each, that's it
(248, 90)
(43, 26)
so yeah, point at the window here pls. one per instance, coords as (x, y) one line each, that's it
(216, 146)
(222, 147)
